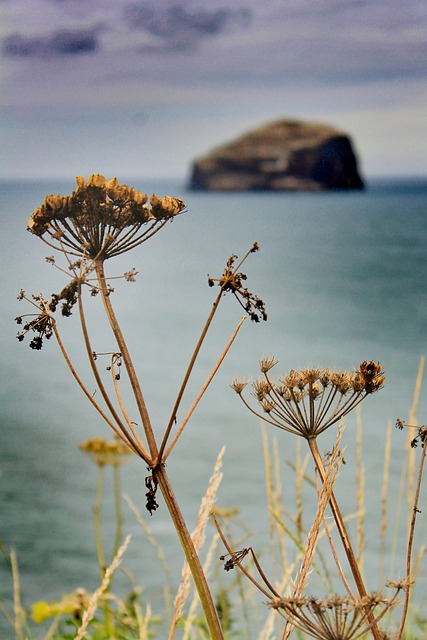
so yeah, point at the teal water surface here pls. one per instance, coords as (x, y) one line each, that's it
(344, 279)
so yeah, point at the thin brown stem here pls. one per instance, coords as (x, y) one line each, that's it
(415, 512)
(129, 422)
(336, 559)
(360, 585)
(149, 434)
(192, 558)
(172, 419)
(232, 553)
(202, 392)
(127, 440)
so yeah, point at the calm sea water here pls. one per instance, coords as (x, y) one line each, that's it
(344, 279)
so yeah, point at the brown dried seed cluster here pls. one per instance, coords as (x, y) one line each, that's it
(232, 280)
(40, 323)
(309, 401)
(102, 218)
(335, 618)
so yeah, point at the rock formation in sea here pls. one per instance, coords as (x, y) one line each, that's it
(287, 155)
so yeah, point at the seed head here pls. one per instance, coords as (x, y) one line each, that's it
(267, 363)
(232, 281)
(102, 218)
(308, 402)
(335, 618)
(238, 385)
(372, 376)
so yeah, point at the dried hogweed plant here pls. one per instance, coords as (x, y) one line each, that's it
(103, 219)
(306, 403)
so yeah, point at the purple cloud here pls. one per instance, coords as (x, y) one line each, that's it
(180, 26)
(65, 42)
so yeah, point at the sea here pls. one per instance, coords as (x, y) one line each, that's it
(344, 279)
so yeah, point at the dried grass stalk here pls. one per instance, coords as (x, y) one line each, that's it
(198, 537)
(96, 596)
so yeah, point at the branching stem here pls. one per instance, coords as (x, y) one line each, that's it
(202, 391)
(415, 512)
(343, 534)
(192, 558)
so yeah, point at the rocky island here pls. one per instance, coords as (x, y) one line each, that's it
(287, 155)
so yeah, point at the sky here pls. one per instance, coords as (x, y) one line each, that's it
(142, 88)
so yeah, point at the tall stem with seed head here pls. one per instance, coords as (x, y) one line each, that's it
(343, 534)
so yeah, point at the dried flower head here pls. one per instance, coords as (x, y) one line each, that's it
(104, 452)
(232, 280)
(238, 385)
(308, 402)
(266, 363)
(40, 323)
(420, 438)
(102, 218)
(336, 618)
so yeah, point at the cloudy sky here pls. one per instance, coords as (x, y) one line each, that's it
(134, 88)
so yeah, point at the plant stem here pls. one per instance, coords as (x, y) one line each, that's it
(343, 534)
(192, 558)
(187, 375)
(118, 508)
(97, 516)
(127, 360)
(201, 393)
(415, 511)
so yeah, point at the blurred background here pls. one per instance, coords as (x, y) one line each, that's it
(142, 88)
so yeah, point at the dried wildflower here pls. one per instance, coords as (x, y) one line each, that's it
(336, 618)
(232, 280)
(307, 403)
(308, 376)
(260, 389)
(40, 323)
(130, 276)
(68, 296)
(238, 385)
(267, 363)
(421, 436)
(104, 452)
(371, 375)
(101, 218)
(234, 559)
(151, 484)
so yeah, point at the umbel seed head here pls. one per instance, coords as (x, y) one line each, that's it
(308, 402)
(102, 218)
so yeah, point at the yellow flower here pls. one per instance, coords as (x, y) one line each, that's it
(103, 452)
(69, 603)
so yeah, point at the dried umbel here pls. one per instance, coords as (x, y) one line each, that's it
(102, 218)
(40, 323)
(308, 402)
(232, 281)
(336, 618)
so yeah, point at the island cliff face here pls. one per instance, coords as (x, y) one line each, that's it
(287, 155)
